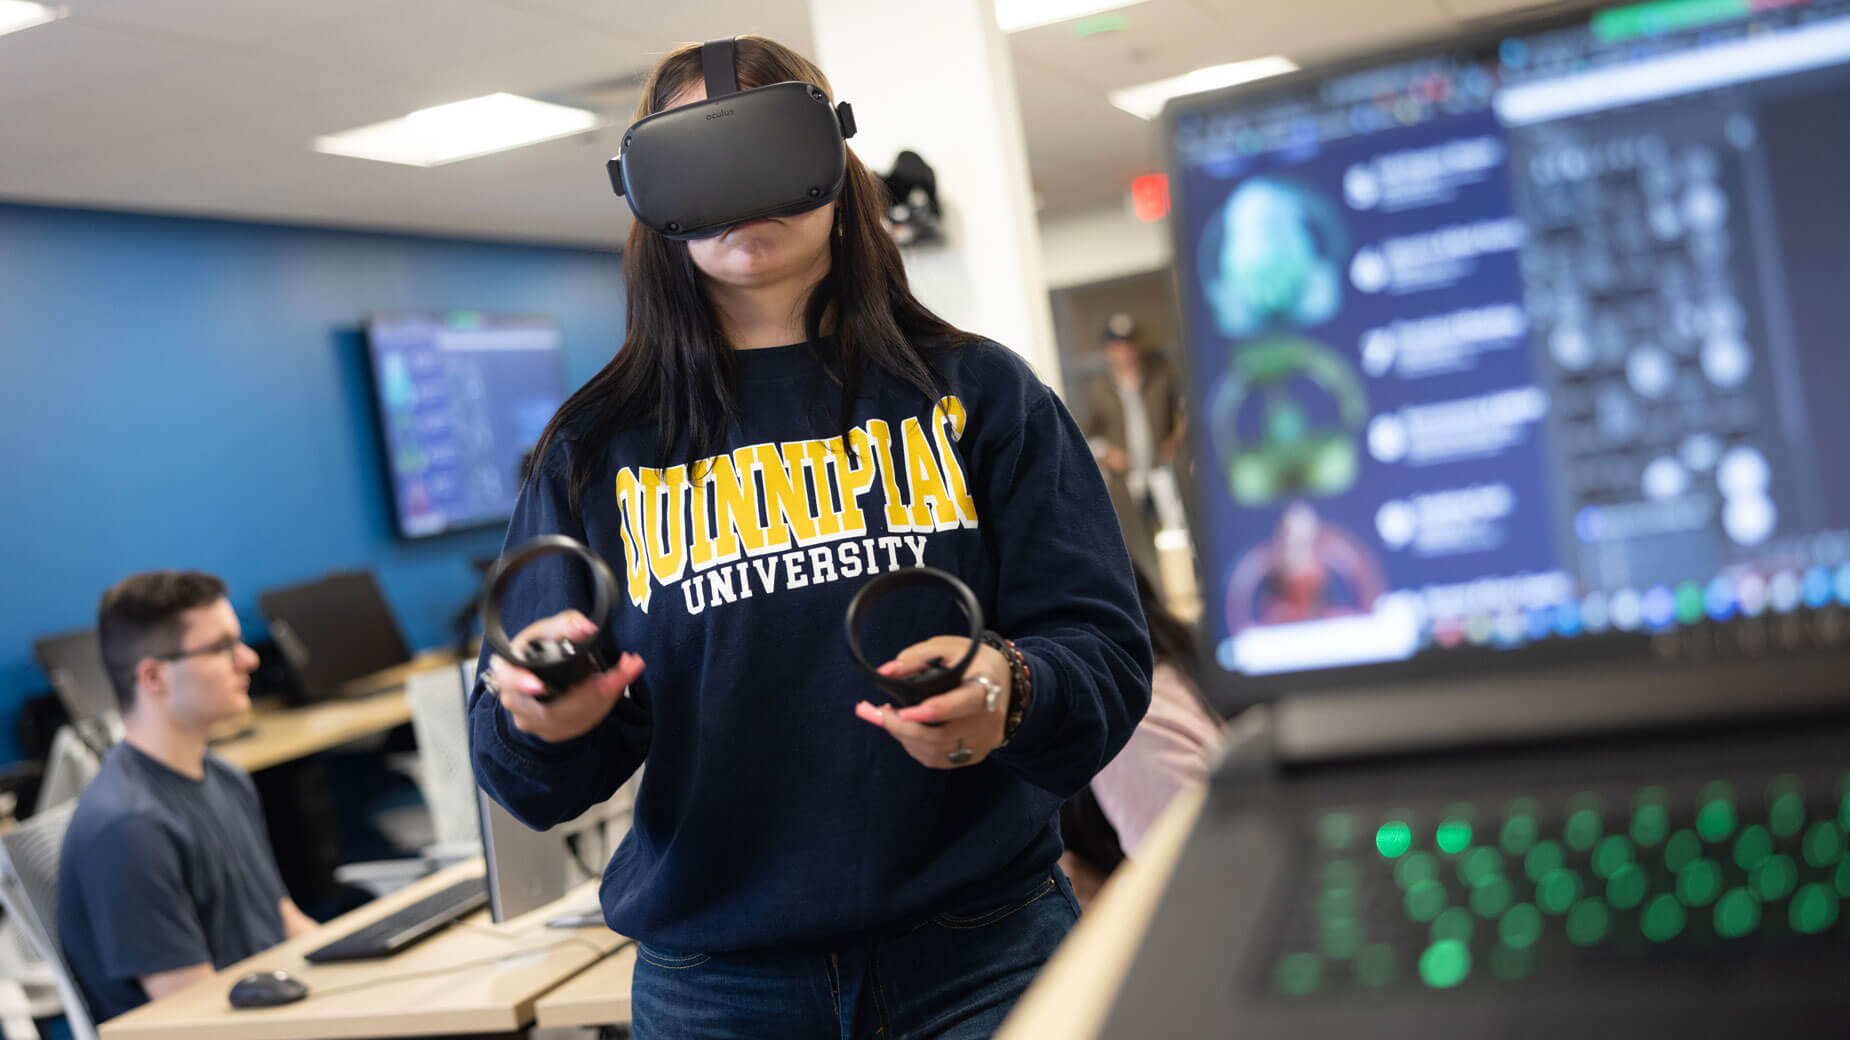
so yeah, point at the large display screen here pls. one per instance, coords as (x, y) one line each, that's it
(1530, 348)
(462, 398)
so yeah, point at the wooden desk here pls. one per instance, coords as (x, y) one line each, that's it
(367, 705)
(596, 996)
(477, 977)
(1074, 992)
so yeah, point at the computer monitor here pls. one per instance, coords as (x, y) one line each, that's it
(1523, 352)
(527, 869)
(73, 661)
(461, 398)
(333, 630)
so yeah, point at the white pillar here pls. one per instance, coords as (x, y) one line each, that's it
(936, 78)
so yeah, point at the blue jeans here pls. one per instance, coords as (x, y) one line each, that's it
(952, 976)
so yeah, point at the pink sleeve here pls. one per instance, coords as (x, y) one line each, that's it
(1167, 752)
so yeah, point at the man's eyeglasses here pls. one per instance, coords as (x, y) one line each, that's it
(227, 645)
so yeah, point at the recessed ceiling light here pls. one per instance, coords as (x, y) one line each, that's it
(23, 14)
(460, 130)
(1146, 100)
(1016, 15)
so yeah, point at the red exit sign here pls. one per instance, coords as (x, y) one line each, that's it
(1150, 197)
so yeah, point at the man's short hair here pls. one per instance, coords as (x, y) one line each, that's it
(140, 618)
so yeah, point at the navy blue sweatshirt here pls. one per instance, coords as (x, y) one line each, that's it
(768, 813)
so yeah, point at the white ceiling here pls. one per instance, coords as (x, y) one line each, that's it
(208, 106)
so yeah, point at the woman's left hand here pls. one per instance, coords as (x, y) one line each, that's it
(967, 729)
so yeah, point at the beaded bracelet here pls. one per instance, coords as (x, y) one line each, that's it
(1021, 683)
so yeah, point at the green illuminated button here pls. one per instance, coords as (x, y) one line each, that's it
(1824, 844)
(1613, 852)
(1786, 806)
(1754, 845)
(1415, 868)
(1682, 847)
(1480, 865)
(1843, 811)
(1582, 830)
(1689, 603)
(1300, 973)
(1521, 927)
(1510, 963)
(1544, 857)
(1627, 887)
(1813, 909)
(1651, 796)
(1519, 832)
(1737, 913)
(1492, 897)
(1445, 964)
(1774, 878)
(1649, 825)
(1394, 838)
(1341, 873)
(1337, 830)
(1841, 880)
(1341, 938)
(1715, 820)
(1335, 904)
(1456, 923)
(1699, 882)
(1425, 900)
(1557, 891)
(1374, 966)
(1454, 836)
(1662, 919)
(1587, 922)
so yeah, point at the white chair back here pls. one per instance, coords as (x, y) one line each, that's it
(29, 855)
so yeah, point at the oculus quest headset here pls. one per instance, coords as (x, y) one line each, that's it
(772, 151)
(563, 663)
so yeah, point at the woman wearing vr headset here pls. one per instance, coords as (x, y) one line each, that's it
(784, 422)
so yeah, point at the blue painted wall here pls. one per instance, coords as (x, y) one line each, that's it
(192, 393)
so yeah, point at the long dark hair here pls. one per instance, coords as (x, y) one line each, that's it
(1172, 640)
(676, 372)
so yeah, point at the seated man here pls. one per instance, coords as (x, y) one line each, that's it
(166, 873)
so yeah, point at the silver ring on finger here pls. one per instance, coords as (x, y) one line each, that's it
(992, 693)
(490, 686)
(959, 755)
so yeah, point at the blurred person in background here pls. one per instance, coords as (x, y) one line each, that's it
(1135, 426)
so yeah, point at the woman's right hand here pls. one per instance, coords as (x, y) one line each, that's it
(576, 711)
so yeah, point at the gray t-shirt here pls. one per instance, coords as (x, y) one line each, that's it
(160, 871)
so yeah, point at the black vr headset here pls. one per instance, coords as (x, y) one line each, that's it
(696, 170)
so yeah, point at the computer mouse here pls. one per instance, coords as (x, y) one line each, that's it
(261, 989)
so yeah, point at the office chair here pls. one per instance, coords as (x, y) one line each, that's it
(75, 758)
(29, 893)
(444, 778)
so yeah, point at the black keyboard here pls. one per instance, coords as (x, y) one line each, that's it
(403, 927)
(1709, 875)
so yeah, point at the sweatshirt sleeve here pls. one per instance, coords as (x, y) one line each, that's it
(1066, 596)
(543, 784)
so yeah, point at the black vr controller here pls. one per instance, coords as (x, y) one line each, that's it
(559, 663)
(937, 677)
(563, 663)
(772, 151)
